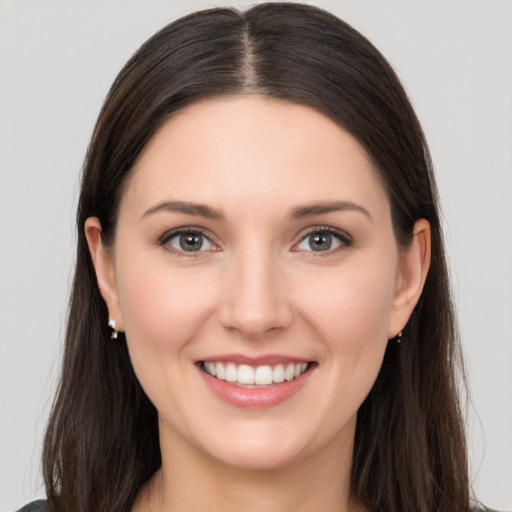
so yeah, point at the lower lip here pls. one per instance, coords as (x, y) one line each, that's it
(255, 398)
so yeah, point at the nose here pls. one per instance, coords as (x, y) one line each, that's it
(255, 298)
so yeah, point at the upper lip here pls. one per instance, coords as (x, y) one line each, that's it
(270, 359)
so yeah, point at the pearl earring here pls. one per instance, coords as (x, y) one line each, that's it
(115, 332)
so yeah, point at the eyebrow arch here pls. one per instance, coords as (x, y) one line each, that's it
(302, 212)
(196, 209)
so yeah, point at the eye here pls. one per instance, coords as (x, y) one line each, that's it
(323, 240)
(188, 241)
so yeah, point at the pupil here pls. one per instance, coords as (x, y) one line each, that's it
(191, 242)
(321, 242)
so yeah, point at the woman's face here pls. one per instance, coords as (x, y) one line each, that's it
(257, 278)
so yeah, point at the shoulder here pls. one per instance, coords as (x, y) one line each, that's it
(34, 506)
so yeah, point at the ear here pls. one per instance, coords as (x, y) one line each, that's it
(414, 266)
(102, 260)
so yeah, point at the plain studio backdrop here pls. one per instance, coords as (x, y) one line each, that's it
(57, 61)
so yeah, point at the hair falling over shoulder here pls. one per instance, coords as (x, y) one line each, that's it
(101, 443)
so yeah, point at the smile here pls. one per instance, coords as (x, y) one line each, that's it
(245, 375)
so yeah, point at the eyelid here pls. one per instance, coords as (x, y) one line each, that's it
(172, 233)
(342, 236)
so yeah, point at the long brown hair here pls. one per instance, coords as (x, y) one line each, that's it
(102, 443)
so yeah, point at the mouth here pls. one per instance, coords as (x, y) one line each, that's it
(262, 376)
(255, 383)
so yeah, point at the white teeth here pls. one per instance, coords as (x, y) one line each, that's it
(231, 374)
(210, 368)
(289, 372)
(219, 370)
(261, 375)
(245, 374)
(278, 373)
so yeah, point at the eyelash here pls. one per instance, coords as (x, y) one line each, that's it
(167, 237)
(342, 237)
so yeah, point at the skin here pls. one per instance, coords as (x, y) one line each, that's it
(256, 288)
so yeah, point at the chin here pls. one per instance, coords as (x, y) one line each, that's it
(254, 457)
(273, 444)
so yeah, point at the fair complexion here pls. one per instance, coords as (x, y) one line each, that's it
(257, 232)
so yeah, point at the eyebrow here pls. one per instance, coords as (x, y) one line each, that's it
(196, 209)
(302, 212)
(298, 213)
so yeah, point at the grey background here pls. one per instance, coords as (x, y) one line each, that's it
(57, 60)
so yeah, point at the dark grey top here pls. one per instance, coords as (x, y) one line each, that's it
(35, 506)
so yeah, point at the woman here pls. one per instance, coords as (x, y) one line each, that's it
(260, 315)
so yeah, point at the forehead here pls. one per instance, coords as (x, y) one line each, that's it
(248, 148)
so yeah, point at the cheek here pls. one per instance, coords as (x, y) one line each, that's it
(351, 306)
(161, 306)
(163, 310)
(349, 312)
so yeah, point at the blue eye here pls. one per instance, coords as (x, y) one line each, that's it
(188, 241)
(323, 240)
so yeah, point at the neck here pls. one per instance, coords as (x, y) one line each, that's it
(191, 480)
